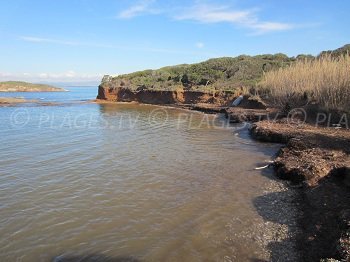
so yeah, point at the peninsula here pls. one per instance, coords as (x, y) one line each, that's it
(19, 86)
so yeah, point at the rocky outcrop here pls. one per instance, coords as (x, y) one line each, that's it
(119, 92)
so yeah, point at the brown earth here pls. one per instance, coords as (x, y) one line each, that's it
(317, 159)
(311, 152)
(199, 99)
(180, 97)
(15, 101)
(5, 101)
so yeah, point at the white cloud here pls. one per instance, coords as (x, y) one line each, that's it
(43, 75)
(199, 45)
(141, 7)
(266, 27)
(213, 14)
(34, 39)
(68, 76)
(47, 40)
(70, 73)
(204, 13)
(210, 13)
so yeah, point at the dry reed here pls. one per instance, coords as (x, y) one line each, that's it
(324, 81)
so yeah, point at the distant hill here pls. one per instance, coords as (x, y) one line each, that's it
(344, 50)
(93, 83)
(18, 86)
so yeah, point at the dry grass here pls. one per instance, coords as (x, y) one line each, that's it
(325, 81)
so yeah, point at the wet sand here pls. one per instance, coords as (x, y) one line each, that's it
(14, 101)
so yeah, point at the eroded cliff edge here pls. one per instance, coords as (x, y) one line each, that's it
(118, 91)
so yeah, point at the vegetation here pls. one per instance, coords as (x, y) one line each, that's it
(285, 81)
(223, 74)
(18, 86)
(345, 50)
(324, 81)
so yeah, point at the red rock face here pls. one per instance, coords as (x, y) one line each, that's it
(109, 92)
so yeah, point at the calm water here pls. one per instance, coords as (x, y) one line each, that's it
(134, 181)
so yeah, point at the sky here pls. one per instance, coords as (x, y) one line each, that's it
(82, 40)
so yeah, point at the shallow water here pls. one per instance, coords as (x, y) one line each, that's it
(151, 183)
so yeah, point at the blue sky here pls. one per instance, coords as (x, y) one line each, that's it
(80, 40)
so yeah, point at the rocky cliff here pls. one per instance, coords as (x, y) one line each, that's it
(119, 92)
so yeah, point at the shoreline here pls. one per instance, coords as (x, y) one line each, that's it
(316, 161)
(276, 231)
(311, 175)
(187, 108)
